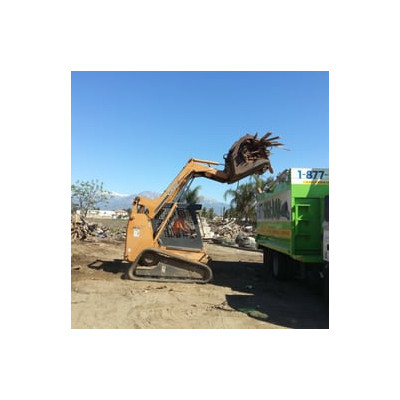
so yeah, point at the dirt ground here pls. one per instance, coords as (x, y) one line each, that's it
(240, 295)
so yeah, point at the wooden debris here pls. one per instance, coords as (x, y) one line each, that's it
(83, 230)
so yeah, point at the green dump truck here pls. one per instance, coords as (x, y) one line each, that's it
(291, 221)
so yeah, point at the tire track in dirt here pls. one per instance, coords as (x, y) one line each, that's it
(238, 295)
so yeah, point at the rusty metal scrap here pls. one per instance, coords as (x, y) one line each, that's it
(250, 155)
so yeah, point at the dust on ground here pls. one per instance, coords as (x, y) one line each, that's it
(240, 295)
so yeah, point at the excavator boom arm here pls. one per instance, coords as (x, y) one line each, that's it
(249, 155)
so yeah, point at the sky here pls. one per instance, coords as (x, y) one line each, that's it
(134, 131)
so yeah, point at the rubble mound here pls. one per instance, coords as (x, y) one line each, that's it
(83, 230)
(228, 232)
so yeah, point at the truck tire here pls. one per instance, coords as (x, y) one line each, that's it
(267, 257)
(267, 261)
(279, 267)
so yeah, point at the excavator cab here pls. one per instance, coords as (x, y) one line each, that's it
(182, 230)
(177, 253)
(163, 239)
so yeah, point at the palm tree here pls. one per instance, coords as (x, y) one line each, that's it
(243, 201)
(263, 185)
(192, 195)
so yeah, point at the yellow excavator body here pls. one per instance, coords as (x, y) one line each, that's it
(163, 239)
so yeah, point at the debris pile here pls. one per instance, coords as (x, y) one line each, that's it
(205, 229)
(218, 230)
(244, 240)
(228, 232)
(83, 230)
(227, 229)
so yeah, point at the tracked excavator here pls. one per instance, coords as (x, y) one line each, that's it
(163, 240)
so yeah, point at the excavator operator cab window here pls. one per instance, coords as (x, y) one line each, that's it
(182, 225)
(182, 229)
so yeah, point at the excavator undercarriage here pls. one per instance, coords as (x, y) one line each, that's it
(168, 267)
(163, 239)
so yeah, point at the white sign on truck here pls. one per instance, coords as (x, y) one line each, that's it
(314, 176)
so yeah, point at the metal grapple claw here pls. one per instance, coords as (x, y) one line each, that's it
(249, 155)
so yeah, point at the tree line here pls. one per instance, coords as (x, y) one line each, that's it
(86, 195)
(243, 199)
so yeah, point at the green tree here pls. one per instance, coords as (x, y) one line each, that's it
(210, 213)
(229, 213)
(244, 197)
(203, 212)
(85, 195)
(192, 195)
(263, 185)
(243, 201)
(74, 206)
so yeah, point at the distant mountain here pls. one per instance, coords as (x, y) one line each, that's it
(149, 194)
(124, 201)
(218, 206)
(118, 202)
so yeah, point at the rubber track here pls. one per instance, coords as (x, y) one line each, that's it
(171, 260)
